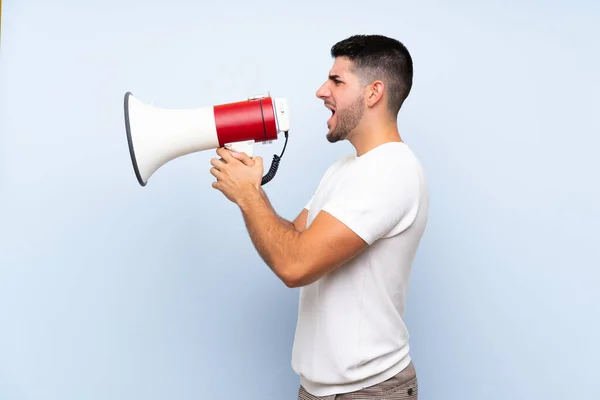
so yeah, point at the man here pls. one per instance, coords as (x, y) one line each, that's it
(351, 248)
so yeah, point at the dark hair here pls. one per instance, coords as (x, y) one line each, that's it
(380, 57)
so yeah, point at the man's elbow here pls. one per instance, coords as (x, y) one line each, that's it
(292, 284)
(287, 272)
(292, 277)
(297, 275)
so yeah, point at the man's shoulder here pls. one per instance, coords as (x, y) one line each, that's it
(394, 153)
(393, 161)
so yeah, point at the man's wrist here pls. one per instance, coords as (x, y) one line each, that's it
(251, 198)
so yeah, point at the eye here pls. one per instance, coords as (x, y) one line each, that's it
(335, 79)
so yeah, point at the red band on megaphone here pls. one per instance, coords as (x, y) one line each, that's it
(246, 120)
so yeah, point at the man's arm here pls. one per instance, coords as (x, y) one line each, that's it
(299, 223)
(298, 256)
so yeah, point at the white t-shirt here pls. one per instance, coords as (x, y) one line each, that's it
(350, 332)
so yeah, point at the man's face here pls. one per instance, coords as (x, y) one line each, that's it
(343, 94)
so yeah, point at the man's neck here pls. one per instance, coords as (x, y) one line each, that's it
(369, 139)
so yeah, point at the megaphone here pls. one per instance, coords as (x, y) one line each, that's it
(157, 136)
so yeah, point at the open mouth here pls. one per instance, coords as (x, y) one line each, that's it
(330, 108)
(331, 120)
(332, 114)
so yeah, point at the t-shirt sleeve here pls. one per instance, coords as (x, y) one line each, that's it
(372, 203)
(307, 206)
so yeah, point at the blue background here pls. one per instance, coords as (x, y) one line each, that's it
(113, 291)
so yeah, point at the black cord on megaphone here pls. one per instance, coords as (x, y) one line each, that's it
(275, 164)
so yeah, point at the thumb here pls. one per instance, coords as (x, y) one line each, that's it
(243, 157)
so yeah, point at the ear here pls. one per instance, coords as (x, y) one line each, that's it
(374, 94)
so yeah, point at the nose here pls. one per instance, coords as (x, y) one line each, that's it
(323, 91)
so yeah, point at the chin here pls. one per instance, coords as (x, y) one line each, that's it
(332, 137)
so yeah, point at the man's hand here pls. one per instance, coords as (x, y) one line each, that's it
(238, 176)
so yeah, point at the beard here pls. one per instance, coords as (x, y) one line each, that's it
(346, 120)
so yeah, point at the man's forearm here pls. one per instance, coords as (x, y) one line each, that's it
(275, 239)
(281, 219)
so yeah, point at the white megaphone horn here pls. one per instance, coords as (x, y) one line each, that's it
(157, 136)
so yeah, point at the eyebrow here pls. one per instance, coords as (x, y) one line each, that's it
(334, 77)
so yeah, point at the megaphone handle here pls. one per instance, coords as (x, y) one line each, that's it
(246, 146)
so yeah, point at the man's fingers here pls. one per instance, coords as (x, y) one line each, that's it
(243, 157)
(217, 163)
(229, 155)
(225, 154)
(216, 173)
